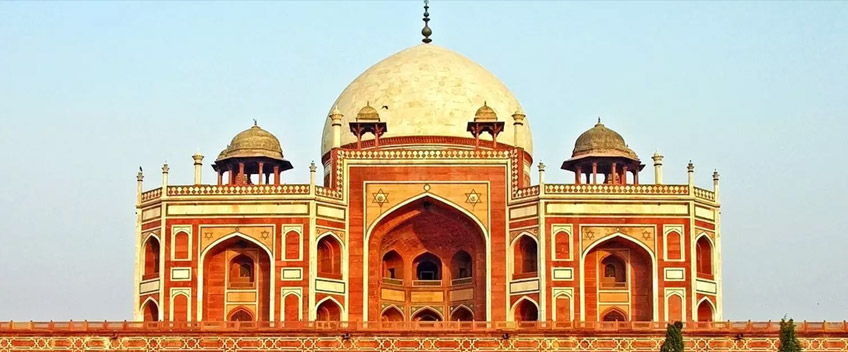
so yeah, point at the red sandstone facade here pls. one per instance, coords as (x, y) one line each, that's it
(427, 213)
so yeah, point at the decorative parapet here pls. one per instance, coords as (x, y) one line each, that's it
(424, 154)
(618, 189)
(704, 194)
(328, 192)
(176, 191)
(526, 192)
(151, 194)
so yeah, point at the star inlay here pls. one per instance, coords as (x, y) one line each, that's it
(646, 235)
(207, 235)
(380, 198)
(264, 235)
(590, 235)
(473, 198)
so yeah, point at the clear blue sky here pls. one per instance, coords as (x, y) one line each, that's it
(90, 91)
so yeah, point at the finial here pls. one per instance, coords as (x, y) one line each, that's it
(690, 167)
(255, 123)
(541, 166)
(715, 175)
(312, 167)
(165, 168)
(139, 169)
(426, 31)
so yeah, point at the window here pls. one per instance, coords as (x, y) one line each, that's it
(241, 272)
(525, 257)
(428, 267)
(704, 260)
(614, 273)
(329, 257)
(151, 258)
(393, 266)
(461, 265)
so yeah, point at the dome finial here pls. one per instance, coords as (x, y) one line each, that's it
(255, 123)
(426, 31)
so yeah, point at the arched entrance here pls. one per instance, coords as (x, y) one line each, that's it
(705, 311)
(236, 281)
(427, 248)
(328, 310)
(150, 311)
(525, 310)
(619, 276)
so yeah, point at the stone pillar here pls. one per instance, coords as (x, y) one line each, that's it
(691, 170)
(312, 169)
(276, 175)
(541, 174)
(578, 174)
(165, 170)
(336, 128)
(658, 179)
(198, 167)
(594, 172)
(261, 179)
(518, 126)
(140, 187)
(715, 184)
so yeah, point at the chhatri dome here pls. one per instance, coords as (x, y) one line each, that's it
(601, 141)
(427, 90)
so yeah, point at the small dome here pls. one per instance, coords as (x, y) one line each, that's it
(485, 113)
(602, 141)
(253, 142)
(368, 114)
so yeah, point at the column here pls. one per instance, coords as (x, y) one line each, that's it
(261, 181)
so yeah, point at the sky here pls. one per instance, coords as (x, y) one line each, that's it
(90, 91)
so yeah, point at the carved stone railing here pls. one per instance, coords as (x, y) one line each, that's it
(151, 194)
(526, 192)
(704, 194)
(204, 190)
(327, 192)
(617, 189)
(423, 154)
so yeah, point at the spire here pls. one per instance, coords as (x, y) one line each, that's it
(426, 31)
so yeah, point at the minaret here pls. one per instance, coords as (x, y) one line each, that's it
(140, 179)
(198, 167)
(336, 128)
(165, 170)
(518, 125)
(715, 184)
(657, 167)
(691, 170)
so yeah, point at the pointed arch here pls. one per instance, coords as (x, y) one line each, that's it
(561, 245)
(525, 309)
(292, 305)
(654, 275)
(328, 309)
(705, 310)
(462, 313)
(151, 252)
(395, 215)
(614, 314)
(525, 256)
(563, 304)
(391, 313)
(202, 261)
(422, 196)
(427, 314)
(675, 305)
(240, 314)
(150, 309)
(330, 253)
(704, 256)
(180, 309)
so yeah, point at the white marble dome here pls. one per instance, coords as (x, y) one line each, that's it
(429, 91)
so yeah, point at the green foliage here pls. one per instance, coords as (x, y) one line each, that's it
(673, 338)
(788, 341)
